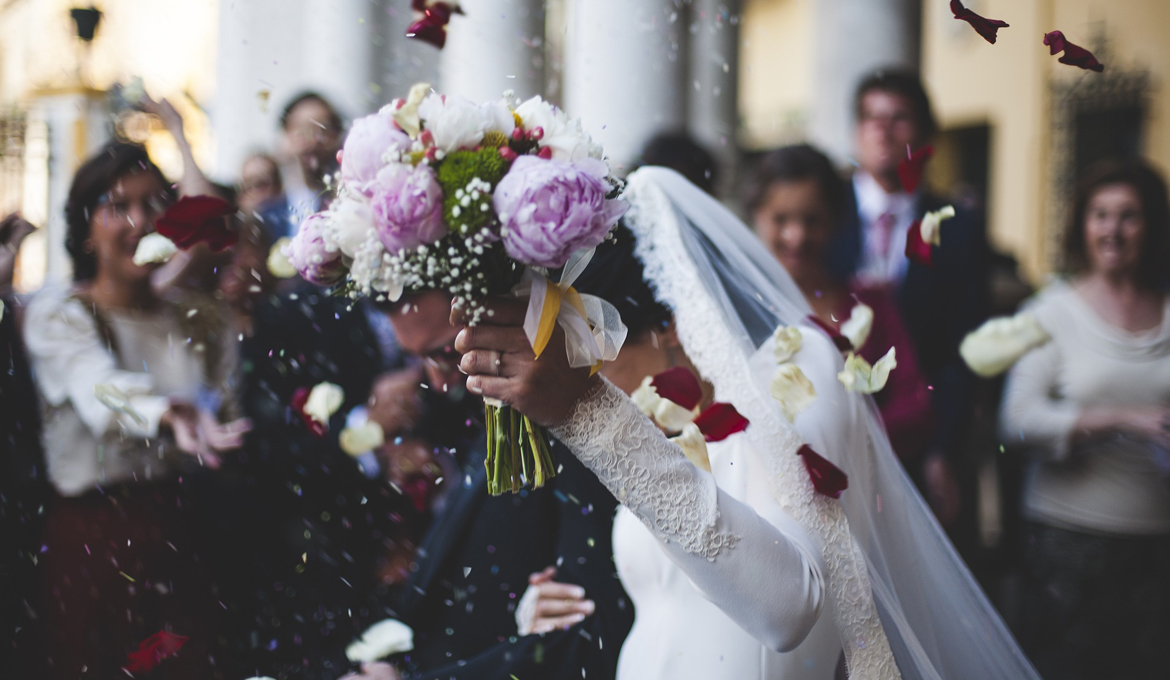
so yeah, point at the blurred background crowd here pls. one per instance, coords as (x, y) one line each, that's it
(1054, 484)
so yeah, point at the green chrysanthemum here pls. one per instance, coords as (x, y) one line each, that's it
(467, 178)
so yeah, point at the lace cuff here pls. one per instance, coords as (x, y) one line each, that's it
(645, 471)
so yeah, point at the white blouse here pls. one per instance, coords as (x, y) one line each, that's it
(156, 361)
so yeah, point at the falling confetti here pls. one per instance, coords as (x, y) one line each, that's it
(1074, 55)
(988, 28)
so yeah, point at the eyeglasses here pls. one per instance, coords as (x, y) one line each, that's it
(119, 207)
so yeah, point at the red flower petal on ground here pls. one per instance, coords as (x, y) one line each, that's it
(1074, 55)
(910, 168)
(828, 479)
(984, 27)
(679, 385)
(432, 27)
(198, 219)
(299, 398)
(154, 649)
(918, 250)
(840, 341)
(719, 421)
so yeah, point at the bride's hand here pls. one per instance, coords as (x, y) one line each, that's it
(548, 605)
(500, 364)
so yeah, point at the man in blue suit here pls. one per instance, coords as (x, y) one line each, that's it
(940, 303)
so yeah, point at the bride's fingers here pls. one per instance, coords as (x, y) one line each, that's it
(499, 338)
(490, 386)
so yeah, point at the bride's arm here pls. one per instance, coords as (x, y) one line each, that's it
(762, 572)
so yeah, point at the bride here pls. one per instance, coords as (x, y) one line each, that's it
(746, 571)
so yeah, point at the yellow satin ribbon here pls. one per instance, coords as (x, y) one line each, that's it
(553, 298)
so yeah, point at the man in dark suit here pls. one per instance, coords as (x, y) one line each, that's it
(475, 561)
(940, 303)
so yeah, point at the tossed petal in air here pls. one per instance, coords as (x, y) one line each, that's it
(787, 343)
(841, 342)
(361, 438)
(679, 385)
(917, 249)
(792, 388)
(857, 327)
(1074, 55)
(858, 376)
(153, 650)
(932, 224)
(381, 640)
(910, 169)
(154, 247)
(999, 343)
(988, 28)
(827, 479)
(198, 219)
(719, 421)
(278, 263)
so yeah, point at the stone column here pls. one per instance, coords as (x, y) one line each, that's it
(498, 45)
(625, 72)
(852, 38)
(401, 61)
(712, 102)
(336, 53)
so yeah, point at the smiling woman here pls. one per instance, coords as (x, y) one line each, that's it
(133, 387)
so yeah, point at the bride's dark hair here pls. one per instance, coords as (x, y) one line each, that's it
(615, 275)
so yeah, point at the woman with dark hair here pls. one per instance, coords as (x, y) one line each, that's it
(1092, 407)
(796, 201)
(133, 387)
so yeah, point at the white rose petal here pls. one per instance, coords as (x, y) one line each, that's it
(858, 376)
(792, 389)
(365, 437)
(407, 115)
(350, 225)
(860, 322)
(380, 641)
(673, 417)
(646, 397)
(694, 445)
(324, 401)
(931, 223)
(117, 401)
(154, 247)
(456, 122)
(278, 263)
(992, 348)
(787, 339)
(564, 136)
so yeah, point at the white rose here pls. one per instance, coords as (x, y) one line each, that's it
(323, 402)
(992, 348)
(860, 322)
(787, 343)
(792, 389)
(362, 438)
(931, 223)
(380, 641)
(694, 446)
(154, 247)
(351, 225)
(278, 263)
(563, 135)
(455, 122)
(497, 117)
(858, 376)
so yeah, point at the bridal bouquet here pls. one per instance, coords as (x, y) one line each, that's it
(441, 193)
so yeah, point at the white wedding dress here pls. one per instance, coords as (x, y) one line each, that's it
(746, 572)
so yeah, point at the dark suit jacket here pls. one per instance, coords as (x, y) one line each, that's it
(939, 306)
(473, 567)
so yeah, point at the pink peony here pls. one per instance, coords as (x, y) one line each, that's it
(549, 209)
(311, 257)
(408, 206)
(368, 141)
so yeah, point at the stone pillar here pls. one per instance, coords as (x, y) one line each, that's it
(336, 53)
(497, 46)
(625, 72)
(852, 38)
(401, 61)
(712, 102)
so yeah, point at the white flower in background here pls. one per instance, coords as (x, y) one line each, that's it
(992, 348)
(669, 415)
(694, 445)
(858, 376)
(278, 263)
(562, 134)
(459, 123)
(860, 323)
(407, 115)
(931, 223)
(498, 117)
(351, 225)
(362, 438)
(787, 343)
(324, 400)
(380, 641)
(154, 247)
(117, 401)
(792, 388)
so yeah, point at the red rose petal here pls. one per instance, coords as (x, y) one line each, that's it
(984, 27)
(1074, 55)
(719, 421)
(198, 219)
(841, 342)
(299, 398)
(154, 649)
(679, 385)
(828, 479)
(918, 250)
(910, 168)
(432, 27)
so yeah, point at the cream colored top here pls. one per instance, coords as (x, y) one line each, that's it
(1111, 483)
(87, 444)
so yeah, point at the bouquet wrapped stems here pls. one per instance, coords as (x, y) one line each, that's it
(518, 450)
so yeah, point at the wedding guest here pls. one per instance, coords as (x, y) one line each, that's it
(682, 153)
(117, 563)
(312, 135)
(475, 559)
(260, 182)
(1092, 408)
(796, 202)
(939, 304)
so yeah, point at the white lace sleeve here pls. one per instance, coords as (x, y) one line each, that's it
(718, 541)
